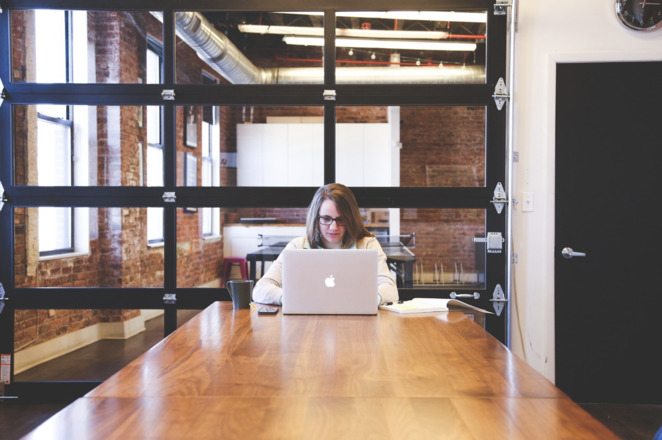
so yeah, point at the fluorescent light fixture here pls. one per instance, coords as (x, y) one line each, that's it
(452, 16)
(384, 44)
(351, 33)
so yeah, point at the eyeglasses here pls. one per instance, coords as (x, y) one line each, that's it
(326, 220)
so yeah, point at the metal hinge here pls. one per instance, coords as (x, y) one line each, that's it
(499, 199)
(168, 95)
(170, 298)
(329, 95)
(2, 86)
(498, 299)
(2, 298)
(501, 7)
(500, 93)
(3, 196)
(169, 197)
(494, 242)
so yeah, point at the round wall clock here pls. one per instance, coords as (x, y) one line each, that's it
(640, 15)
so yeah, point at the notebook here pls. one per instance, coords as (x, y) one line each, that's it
(330, 281)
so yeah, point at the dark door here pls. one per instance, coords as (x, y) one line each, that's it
(608, 170)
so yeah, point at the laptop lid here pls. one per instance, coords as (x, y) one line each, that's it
(330, 281)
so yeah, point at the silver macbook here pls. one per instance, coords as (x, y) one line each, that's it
(330, 281)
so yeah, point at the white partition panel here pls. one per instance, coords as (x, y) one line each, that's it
(275, 154)
(249, 155)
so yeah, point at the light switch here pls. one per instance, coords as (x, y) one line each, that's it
(527, 201)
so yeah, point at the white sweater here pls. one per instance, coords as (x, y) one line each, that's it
(268, 289)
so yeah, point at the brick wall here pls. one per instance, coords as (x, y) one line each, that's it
(119, 254)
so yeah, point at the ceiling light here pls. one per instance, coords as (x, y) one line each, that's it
(384, 44)
(373, 56)
(358, 33)
(351, 52)
(459, 17)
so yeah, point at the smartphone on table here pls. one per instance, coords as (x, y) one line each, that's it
(267, 310)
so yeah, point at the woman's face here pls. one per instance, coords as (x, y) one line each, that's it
(332, 234)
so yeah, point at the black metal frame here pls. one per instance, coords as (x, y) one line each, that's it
(301, 95)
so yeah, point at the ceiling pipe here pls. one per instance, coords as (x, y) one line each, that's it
(216, 49)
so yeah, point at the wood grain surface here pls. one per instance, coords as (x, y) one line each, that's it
(235, 374)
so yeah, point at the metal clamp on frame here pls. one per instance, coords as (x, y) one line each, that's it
(3, 196)
(2, 87)
(498, 299)
(329, 95)
(170, 299)
(500, 93)
(501, 7)
(2, 298)
(499, 199)
(169, 197)
(168, 95)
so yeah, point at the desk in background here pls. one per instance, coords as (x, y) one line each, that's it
(398, 257)
(234, 374)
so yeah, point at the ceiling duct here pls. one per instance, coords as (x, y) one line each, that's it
(216, 49)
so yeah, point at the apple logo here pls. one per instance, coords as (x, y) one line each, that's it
(330, 281)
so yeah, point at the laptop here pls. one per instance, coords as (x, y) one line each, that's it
(330, 281)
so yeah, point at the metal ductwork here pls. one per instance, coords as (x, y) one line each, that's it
(216, 49)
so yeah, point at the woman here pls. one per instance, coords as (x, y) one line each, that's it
(333, 222)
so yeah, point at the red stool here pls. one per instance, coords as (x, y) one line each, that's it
(228, 262)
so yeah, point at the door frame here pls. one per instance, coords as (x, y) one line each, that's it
(550, 99)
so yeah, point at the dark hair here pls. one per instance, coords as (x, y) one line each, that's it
(349, 211)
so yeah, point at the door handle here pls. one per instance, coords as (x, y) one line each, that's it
(568, 253)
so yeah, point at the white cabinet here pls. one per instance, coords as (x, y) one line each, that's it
(281, 154)
(238, 240)
(363, 155)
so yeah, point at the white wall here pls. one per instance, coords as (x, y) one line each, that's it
(550, 32)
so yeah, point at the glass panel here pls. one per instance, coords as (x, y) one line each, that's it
(249, 47)
(86, 146)
(250, 146)
(409, 47)
(446, 254)
(81, 46)
(110, 250)
(426, 248)
(199, 247)
(55, 234)
(238, 233)
(411, 146)
(97, 361)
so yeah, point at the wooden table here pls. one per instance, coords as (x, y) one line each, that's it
(239, 375)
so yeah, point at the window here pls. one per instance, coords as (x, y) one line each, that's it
(211, 174)
(154, 142)
(61, 151)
